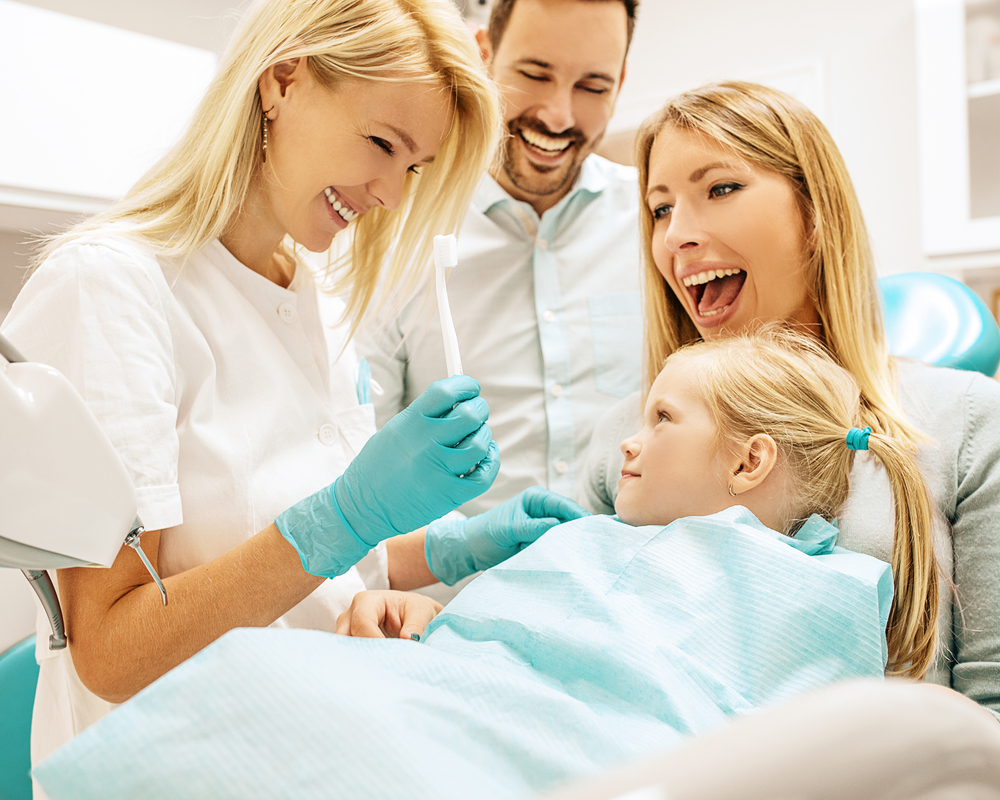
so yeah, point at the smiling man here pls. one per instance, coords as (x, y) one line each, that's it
(545, 296)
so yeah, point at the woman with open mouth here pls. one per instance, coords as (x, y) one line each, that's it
(750, 217)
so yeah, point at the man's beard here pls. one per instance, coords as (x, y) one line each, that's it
(536, 179)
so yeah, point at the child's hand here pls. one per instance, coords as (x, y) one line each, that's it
(387, 614)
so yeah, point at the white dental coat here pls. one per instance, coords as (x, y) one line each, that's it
(227, 396)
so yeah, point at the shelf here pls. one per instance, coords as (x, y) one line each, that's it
(984, 88)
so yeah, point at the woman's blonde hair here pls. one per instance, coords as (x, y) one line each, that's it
(783, 383)
(190, 196)
(773, 131)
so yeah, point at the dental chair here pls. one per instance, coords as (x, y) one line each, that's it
(18, 678)
(940, 321)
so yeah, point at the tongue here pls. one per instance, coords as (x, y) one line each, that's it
(721, 292)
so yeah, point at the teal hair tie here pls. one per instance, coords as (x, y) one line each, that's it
(857, 439)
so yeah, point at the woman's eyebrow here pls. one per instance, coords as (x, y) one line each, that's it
(694, 177)
(406, 139)
(700, 173)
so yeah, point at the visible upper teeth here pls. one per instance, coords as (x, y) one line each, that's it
(711, 275)
(345, 213)
(544, 142)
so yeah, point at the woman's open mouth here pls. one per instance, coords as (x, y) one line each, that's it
(713, 291)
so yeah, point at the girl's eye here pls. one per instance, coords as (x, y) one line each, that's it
(382, 144)
(531, 77)
(663, 416)
(722, 189)
(661, 211)
(414, 170)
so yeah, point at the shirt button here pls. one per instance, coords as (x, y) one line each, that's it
(327, 434)
(561, 467)
(549, 315)
(288, 313)
(543, 244)
(557, 390)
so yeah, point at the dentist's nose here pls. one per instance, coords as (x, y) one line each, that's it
(387, 191)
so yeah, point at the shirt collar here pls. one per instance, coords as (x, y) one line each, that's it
(593, 179)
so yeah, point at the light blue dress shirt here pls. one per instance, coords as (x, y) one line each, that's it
(548, 318)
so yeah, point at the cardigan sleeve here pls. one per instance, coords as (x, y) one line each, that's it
(976, 532)
(597, 485)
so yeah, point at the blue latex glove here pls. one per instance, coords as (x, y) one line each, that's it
(455, 549)
(429, 459)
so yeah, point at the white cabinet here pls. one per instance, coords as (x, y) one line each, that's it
(958, 74)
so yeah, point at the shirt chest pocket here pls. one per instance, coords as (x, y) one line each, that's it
(616, 330)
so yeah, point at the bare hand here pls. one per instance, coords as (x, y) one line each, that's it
(387, 614)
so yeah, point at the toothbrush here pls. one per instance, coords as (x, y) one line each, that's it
(445, 256)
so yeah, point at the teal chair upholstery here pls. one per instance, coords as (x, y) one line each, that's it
(940, 321)
(18, 679)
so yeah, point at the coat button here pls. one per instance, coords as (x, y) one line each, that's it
(288, 313)
(327, 434)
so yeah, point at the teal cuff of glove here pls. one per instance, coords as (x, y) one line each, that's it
(447, 551)
(326, 543)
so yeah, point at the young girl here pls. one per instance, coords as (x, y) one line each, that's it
(603, 641)
(767, 421)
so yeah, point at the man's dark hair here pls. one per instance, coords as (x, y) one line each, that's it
(501, 10)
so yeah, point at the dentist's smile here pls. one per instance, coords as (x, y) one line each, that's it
(340, 209)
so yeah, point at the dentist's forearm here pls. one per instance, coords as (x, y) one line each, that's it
(122, 637)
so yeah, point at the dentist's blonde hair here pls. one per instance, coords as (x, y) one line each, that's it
(190, 196)
(773, 131)
(783, 383)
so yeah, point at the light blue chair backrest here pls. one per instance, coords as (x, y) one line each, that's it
(940, 321)
(18, 679)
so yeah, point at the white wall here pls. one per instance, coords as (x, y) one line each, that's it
(864, 52)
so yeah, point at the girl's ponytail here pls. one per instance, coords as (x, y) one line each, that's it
(912, 631)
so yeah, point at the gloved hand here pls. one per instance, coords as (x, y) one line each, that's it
(454, 549)
(429, 459)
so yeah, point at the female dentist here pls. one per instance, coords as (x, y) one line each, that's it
(185, 318)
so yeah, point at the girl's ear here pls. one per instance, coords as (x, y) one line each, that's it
(754, 461)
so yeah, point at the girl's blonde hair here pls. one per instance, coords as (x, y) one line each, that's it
(189, 197)
(783, 383)
(771, 130)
